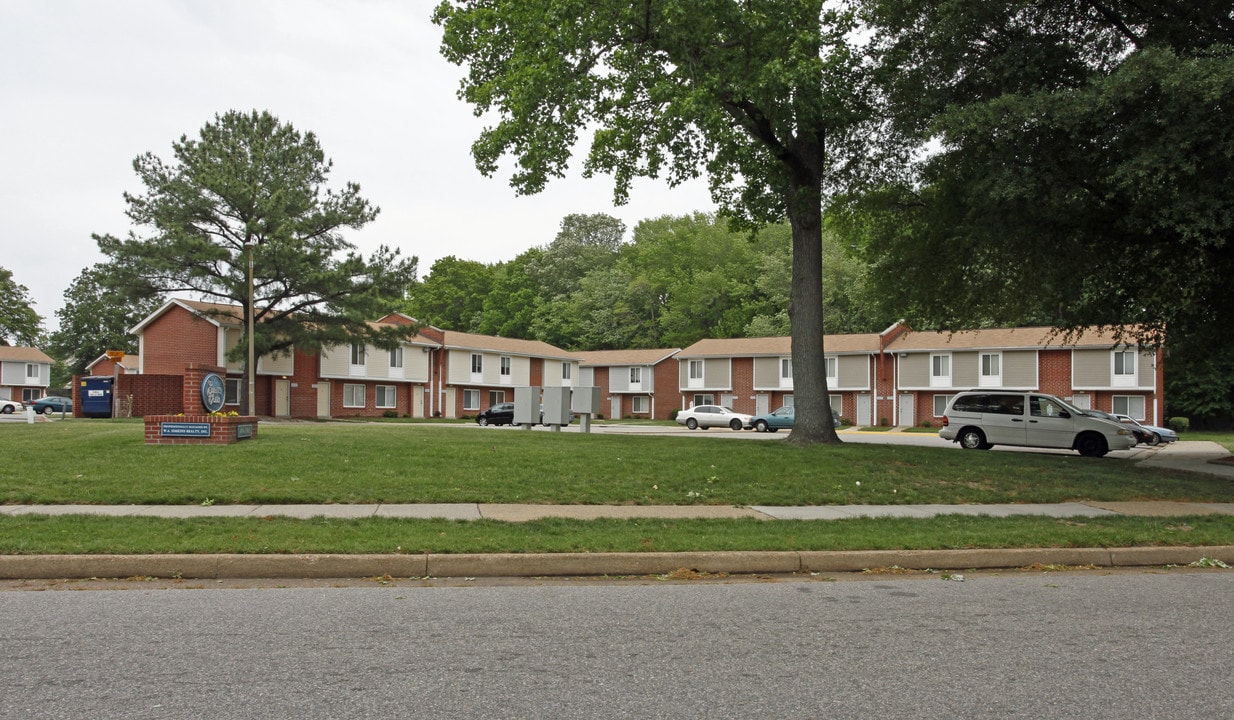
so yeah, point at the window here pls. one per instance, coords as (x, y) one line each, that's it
(786, 368)
(353, 395)
(506, 363)
(696, 369)
(231, 391)
(32, 370)
(565, 371)
(357, 354)
(396, 358)
(477, 363)
(830, 363)
(789, 400)
(703, 399)
(837, 405)
(636, 376)
(991, 370)
(940, 404)
(1124, 369)
(640, 404)
(940, 370)
(471, 398)
(1132, 405)
(496, 397)
(385, 397)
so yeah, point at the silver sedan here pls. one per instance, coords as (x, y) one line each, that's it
(705, 416)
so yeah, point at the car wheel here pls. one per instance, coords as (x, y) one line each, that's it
(1154, 439)
(1091, 445)
(8, 410)
(482, 421)
(973, 439)
(735, 424)
(692, 423)
(48, 410)
(761, 426)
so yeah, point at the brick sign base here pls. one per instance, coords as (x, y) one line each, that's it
(199, 429)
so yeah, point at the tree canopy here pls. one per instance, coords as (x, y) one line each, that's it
(1077, 164)
(19, 323)
(96, 317)
(252, 187)
(766, 98)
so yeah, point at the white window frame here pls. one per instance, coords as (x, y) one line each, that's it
(640, 404)
(566, 371)
(505, 366)
(941, 400)
(471, 399)
(1123, 374)
(695, 371)
(636, 376)
(231, 391)
(990, 369)
(786, 370)
(703, 399)
(836, 401)
(940, 370)
(32, 371)
(831, 366)
(385, 403)
(396, 357)
(1132, 405)
(349, 393)
(357, 357)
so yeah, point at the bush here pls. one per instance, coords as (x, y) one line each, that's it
(599, 416)
(390, 414)
(673, 413)
(927, 424)
(1179, 424)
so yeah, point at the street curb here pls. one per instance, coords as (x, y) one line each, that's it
(30, 567)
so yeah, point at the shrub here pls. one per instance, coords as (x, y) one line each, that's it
(927, 424)
(672, 415)
(599, 416)
(1179, 424)
(390, 414)
(884, 422)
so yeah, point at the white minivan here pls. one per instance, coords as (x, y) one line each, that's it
(979, 420)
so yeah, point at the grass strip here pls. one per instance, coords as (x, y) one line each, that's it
(42, 534)
(107, 462)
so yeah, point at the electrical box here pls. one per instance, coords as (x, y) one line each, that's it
(526, 406)
(556, 406)
(586, 400)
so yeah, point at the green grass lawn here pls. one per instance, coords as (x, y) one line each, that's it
(106, 462)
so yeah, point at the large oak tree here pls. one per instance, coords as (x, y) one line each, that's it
(765, 97)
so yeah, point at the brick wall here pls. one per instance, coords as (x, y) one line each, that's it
(177, 339)
(151, 394)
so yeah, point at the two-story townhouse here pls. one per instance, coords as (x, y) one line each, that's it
(1090, 369)
(629, 381)
(25, 373)
(473, 372)
(104, 365)
(755, 375)
(355, 380)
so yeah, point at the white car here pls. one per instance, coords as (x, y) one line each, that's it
(978, 420)
(705, 416)
(10, 406)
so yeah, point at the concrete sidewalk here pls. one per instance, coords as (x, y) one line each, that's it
(527, 513)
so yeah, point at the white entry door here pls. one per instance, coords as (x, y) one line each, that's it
(762, 405)
(863, 411)
(908, 408)
(323, 399)
(282, 398)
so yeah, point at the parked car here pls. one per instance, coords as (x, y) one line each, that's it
(1156, 434)
(705, 416)
(1141, 435)
(11, 406)
(499, 414)
(53, 404)
(503, 414)
(979, 420)
(781, 418)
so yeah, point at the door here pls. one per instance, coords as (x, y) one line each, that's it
(863, 411)
(908, 413)
(761, 405)
(1004, 419)
(1049, 425)
(615, 408)
(323, 399)
(282, 398)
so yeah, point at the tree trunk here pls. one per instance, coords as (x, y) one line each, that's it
(813, 423)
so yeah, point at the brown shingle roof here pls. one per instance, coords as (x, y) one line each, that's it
(469, 341)
(24, 354)
(999, 338)
(781, 345)
(626, 357)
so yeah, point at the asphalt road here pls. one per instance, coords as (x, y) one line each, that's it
(1016, 645)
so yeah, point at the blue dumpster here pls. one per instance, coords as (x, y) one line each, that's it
(96, 396)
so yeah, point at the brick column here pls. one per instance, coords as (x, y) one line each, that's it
(192, 386)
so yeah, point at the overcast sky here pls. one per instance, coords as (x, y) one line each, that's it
(86, 86)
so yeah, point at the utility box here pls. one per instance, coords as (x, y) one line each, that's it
(556, 406)
(526, 406)
(96, 393)
(585, 402)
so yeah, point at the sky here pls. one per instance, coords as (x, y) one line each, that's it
(87, 86)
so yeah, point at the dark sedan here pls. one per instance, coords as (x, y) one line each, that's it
(53, 404)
